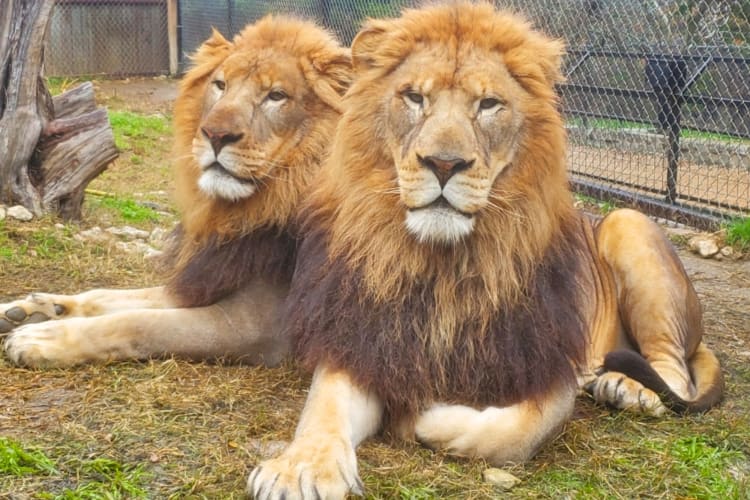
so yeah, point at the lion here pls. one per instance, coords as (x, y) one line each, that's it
(253, 121)
(446, 289)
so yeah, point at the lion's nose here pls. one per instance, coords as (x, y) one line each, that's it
(444, 167)
(220, 138)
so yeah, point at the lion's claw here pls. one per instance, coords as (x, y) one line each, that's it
(307, 471)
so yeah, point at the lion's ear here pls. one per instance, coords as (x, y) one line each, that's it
(330, 75)
(208, 56)
(369, 39)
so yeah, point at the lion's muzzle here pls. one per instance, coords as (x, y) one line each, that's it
(444, 166)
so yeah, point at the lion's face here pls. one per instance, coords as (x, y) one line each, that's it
(253, 120)
(451, 132)
(254, 111)
(459, 103)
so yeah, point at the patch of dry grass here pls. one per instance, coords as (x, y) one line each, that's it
(195, 430)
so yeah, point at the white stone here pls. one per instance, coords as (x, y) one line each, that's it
(705, 246)
(500, 478)
(95, 234)
(158, 236)
(128, 233)
(152, 253)
(727, 252)
(137, 247)
(19, 213)
(2, 212)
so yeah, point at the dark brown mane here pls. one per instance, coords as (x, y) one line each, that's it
(218, 267)
(527, 349)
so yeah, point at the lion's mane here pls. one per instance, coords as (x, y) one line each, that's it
(220, 244)
(493, 319)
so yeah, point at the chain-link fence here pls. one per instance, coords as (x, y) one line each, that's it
(107, 37)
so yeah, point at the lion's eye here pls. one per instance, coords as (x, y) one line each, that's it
(489, 103)
(220, 84)
(414, 97)
(277, 95)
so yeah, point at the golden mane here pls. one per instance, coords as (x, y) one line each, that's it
(220, 243)
(322, 59)
(532, 203)
(447, 298)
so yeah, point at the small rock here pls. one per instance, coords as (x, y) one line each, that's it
(2, 212)
(59, 226)
(727, 252)
(136, 247)
(158, 236)
(705, 246)
(152, 253)
(94, 234)
(500, 478)
(19, 213)
(128, 233)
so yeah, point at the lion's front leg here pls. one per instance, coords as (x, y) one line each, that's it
(321, 463)
(220, 331)
(510, 434)
(39, 307)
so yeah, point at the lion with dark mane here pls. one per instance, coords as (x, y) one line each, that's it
(253, 121)
(446, 288)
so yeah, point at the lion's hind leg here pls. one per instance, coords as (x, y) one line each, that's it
(661, 315)
(511, 434)
(39, 307)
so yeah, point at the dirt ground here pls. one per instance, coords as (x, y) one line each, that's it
(197, 429)
(144, 95)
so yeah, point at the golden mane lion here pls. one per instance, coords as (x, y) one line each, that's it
(445, 285)
(253, 120)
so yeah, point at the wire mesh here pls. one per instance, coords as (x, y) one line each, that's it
(107, 37)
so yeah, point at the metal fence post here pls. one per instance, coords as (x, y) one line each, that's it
(667, 76)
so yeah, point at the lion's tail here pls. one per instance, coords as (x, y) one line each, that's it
(705, 372)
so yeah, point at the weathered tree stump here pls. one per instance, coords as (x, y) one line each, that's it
(50, 148)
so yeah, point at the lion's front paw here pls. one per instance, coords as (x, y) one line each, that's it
(35, 308)
(309, 469)
(619, 391)
(43, 345)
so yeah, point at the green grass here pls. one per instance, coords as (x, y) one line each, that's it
(614, 124)
(126, 209)
(19, 461)
(137, 133)
(37, 243)
(98, 478)
(59, 84)
(738, 233)
(602, 206)
(708, 465)
(103, 478)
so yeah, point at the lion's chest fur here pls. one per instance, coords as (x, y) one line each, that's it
(435, 344)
